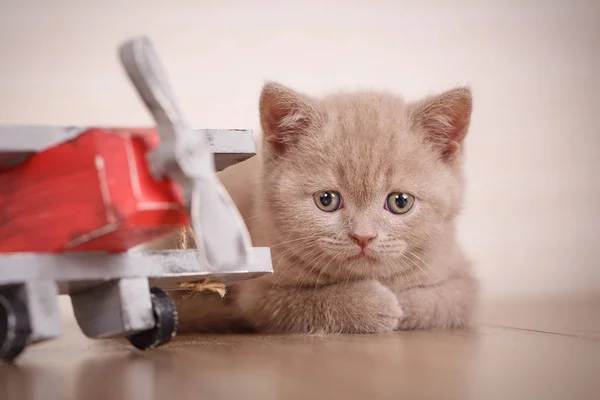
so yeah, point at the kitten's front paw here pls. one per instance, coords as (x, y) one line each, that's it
(368, 307)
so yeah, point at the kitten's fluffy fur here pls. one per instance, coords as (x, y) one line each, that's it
(364, 146)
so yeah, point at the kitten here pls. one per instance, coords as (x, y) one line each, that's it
(357, 196)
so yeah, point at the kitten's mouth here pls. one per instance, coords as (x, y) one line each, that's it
(363, 254)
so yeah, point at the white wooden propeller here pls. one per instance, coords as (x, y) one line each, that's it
(183, 155)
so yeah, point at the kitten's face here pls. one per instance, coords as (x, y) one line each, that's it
(360, 191)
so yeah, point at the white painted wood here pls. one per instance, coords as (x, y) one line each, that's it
(164, 268)
(119, 307)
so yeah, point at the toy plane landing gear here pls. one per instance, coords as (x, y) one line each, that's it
(74, 202)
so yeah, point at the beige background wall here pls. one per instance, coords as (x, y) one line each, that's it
(532, 216)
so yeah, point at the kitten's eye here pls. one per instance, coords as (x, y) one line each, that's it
(399, 203)
(328, 201)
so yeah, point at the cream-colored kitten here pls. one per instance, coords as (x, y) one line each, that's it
(357, 196)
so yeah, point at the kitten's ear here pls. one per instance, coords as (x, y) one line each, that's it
(285, 115)
(444, 119)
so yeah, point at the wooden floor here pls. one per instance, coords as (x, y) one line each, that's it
(527, 350)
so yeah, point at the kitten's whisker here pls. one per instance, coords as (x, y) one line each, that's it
(445, 278)
(291, 241)
(292, 264)
(432, 281)
(312, 264)
(284, 257)
(414, 273)
(440, 259)
(333, 258)
(442, 278)
(426, 264)
(314, 255)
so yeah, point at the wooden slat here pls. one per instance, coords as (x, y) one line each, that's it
(17, 142)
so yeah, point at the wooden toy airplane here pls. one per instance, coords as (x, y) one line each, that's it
(74, 201)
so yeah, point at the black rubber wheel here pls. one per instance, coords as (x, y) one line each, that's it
(14, 327)
(165, 329)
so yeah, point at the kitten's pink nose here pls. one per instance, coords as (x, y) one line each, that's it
(362, 240)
